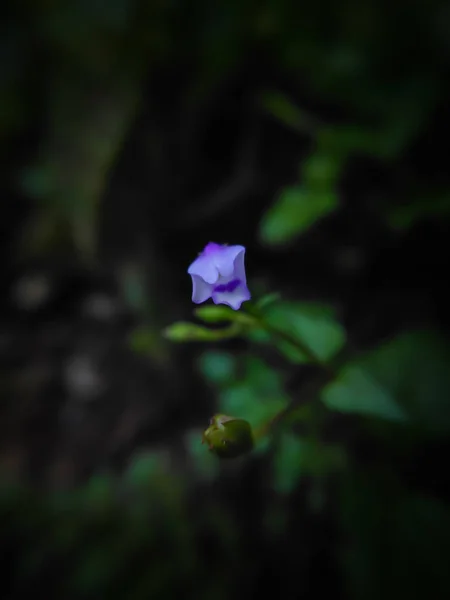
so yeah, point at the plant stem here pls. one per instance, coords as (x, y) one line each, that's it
(294, 341)
(312, 357)
(300, 345)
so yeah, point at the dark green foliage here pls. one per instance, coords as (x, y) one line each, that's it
(132, 133)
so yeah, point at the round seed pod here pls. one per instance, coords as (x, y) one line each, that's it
(228, 437)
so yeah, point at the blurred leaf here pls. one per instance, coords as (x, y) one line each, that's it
(218, 367)
(314, 324)
(294, 211)
(262, 377)
(283, 109)
(267, 300)
(257, 397)
(220, 314)
(355, 391)
(99, 492)
(184, 331)
(243, 400)
(287, 463)
(343, 140)
(321, 171)
(431, 204)
(296, 456)
(205, 463)
(407, 377)
(142, 470)
(347, 140)
(385, 142)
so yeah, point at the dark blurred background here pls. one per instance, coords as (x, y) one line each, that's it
(132, 134)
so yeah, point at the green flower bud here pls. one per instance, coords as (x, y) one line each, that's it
(228, 437)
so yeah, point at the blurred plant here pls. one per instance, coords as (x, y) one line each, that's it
(372, 385)
(385, 86)
(400, 390)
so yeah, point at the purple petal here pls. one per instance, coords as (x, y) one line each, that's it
(239, 266)
(232, 299)
(212, 247)
(201, 290)
(224, 259)
(205, 268)
(219, 272)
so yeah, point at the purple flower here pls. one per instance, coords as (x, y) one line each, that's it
(219, 273)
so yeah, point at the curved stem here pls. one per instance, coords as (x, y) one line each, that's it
(294, 341)
(304, 349)
(300, 345)
(265, 428)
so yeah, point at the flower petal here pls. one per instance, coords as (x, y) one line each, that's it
(204, 267)
(239, 266)
(201, 290)
(232, 299)
(224, 259)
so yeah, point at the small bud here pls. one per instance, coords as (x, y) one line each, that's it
(228, 437)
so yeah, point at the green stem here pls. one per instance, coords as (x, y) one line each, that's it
(294, 341)
(312, 357)
(300, 345)
(266, 427)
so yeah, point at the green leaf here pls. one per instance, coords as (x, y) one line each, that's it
(250, 390)
(314, 324)
(347, 140)
(406, 378)
(294, 212)
(343, 140)
(218, 367)
(142, 470)
(431, 204)
(321, 171)
(267, 300)
(257, 397)
(356, 391)
(183, 331)
(243, 401)
(296, 456)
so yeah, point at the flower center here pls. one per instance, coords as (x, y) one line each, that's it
(228, 287)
